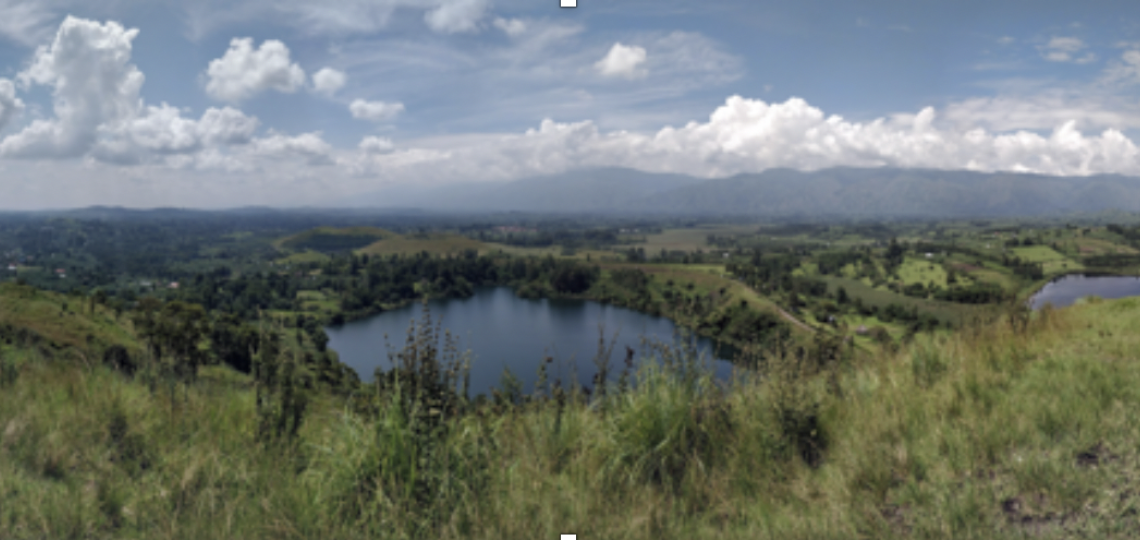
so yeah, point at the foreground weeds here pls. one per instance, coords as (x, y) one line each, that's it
(1023, 427)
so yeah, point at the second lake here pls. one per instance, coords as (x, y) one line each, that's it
(1066, 290)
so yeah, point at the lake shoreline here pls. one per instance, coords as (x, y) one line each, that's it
(1065, 290)
(516, 333)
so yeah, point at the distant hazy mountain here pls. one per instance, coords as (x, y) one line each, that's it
(900, 192)
(785, 192)
(581, 190)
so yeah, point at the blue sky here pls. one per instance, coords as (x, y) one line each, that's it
(216, 103)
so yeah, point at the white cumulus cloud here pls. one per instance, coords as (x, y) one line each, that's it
(328, 80)
(308, 145)
(244, 71)
(100, 115)
(376, 111)
(623, 61)
(455, 16)
(376, 145)
(88, 64)
(226, 126)
(162, 131)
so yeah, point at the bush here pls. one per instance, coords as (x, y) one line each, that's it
(117, 358)
(927, 364)
(665, 427)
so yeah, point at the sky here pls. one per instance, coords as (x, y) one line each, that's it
(227, 103)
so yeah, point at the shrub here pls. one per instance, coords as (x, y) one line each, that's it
(665, 427)
(927, 365)
(117, 358)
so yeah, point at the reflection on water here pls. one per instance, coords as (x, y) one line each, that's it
(1065, 290)
(504, 331)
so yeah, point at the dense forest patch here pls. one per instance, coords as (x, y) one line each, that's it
(330, 240)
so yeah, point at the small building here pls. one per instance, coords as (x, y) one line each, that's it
(173, 284)
(862, 330)
(929, 255)
(12, 267)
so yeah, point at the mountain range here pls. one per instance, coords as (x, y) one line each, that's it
(840, 192)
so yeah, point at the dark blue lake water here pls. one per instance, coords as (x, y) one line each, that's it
(503, 330)
(1066, 290)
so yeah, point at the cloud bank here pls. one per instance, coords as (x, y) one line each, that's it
(748, 135)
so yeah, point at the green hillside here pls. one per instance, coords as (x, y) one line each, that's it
(1020, 427)
(71, 325)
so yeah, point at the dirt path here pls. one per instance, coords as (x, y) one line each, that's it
(792, 319)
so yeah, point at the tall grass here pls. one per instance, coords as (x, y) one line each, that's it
(1012, 428)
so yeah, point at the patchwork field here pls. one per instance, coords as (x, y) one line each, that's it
(944, 311)
(691, 239)
(1096, 246)
(1050, 260)
(922, 271)
(316, 301)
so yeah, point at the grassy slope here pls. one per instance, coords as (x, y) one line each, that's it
(436, 243)
(705, 279)
(1050, 260)
(62, 321)
(991, 434)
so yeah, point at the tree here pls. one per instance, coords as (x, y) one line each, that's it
(233, 342)
(173, 332)
(182, 328)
